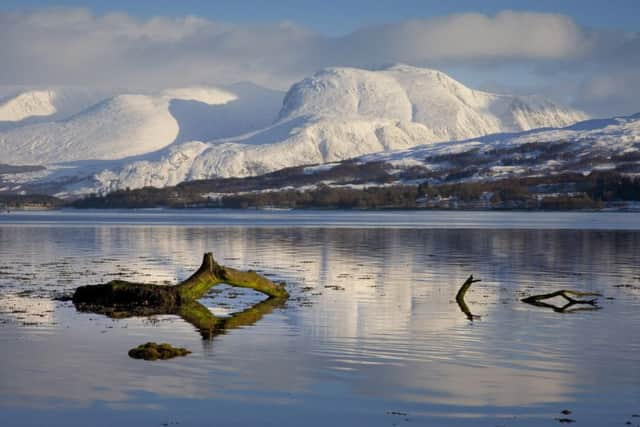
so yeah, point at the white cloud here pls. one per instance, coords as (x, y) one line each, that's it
(616, 92)
(75, 47)
(476, 37)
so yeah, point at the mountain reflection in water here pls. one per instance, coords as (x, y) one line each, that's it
(372, 327)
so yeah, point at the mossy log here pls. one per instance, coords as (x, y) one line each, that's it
(460, 297)
(210, 273)
(121, 299)
(539, 300)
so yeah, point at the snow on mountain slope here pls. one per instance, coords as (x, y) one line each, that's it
(174, 167)
(338, 113)
(206, 95)
(341, 113)
(348, 92)
(18, 107)
(585, 146)
(28, 104)
(253, 108)
(558, 165)
(616, 135)
(116, 128)
(601, 144)
(445, 106)
(319, 142)
(123, 126)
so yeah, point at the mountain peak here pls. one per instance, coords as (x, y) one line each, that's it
(336, 114)
(406, 68)
(421, 95)
(28, 104)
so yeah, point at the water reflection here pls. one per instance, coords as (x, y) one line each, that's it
(372, 324)
(194, 313)
(564, 301)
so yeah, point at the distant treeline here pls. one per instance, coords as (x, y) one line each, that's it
(571, 191)
(16, 201)
(563, 191)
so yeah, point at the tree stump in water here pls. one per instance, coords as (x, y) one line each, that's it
(210, 273)
(120, 299)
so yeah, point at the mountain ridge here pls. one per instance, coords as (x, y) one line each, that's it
(591, 165)
(336, 114)
(341, 113)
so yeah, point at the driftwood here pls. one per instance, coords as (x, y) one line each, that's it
(538, 300)
(210, 273)
(460, 297)
(120, 299)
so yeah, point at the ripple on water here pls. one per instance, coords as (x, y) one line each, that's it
(372, 324)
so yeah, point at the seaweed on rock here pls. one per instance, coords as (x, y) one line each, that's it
(153, 351)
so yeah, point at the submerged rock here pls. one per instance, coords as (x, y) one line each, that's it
(153, 351)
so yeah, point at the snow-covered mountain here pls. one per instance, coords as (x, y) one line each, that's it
(592, 164)
(591, 145)
(447, 108)
(20, 107)
(116, 128)
(339, 113)
(28, 104)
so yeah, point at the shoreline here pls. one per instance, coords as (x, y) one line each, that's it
(317, 218)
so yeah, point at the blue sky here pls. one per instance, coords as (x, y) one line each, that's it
(583, 53)
(341, 16)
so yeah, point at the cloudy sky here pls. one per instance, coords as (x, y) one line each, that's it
(583, 53)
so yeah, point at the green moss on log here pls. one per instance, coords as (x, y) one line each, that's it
(119, 293)
(211, 273)
(121, 299)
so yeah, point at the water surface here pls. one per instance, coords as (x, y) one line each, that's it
(371, 336)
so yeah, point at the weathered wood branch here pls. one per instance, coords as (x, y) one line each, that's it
(460, 297)
(210, 273)
(567, 294)
(120, 299)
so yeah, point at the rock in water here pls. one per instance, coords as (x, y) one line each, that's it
(153, 351)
